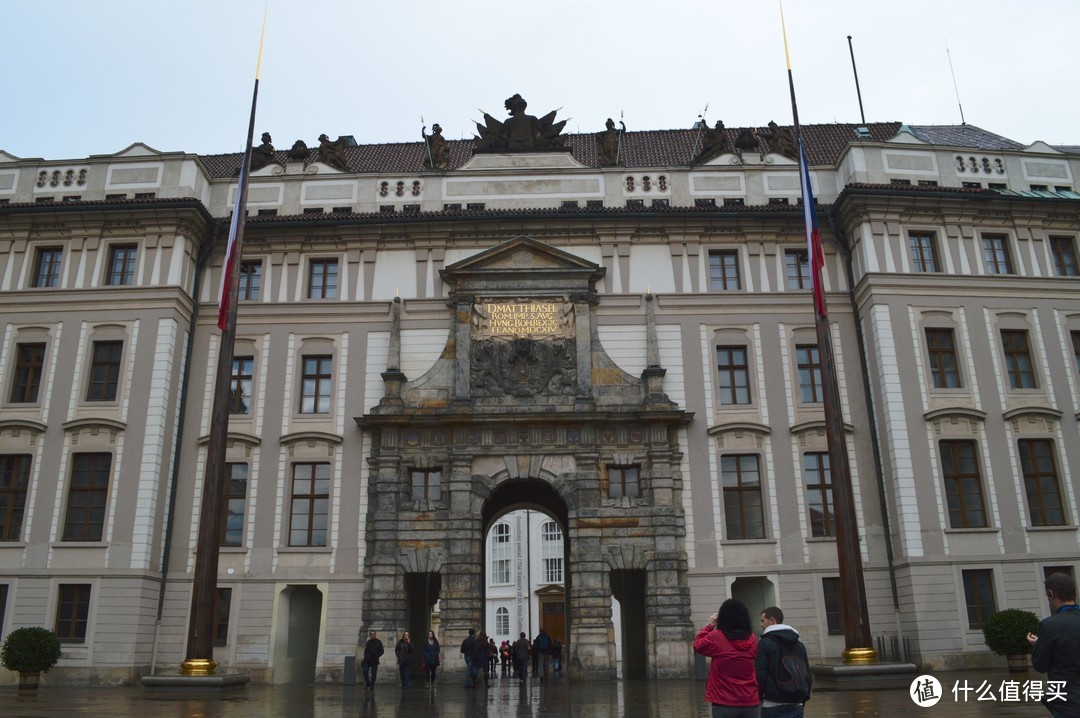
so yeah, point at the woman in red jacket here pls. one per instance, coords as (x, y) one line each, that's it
(731, 644)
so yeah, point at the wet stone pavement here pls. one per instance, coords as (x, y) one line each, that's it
(504, 698)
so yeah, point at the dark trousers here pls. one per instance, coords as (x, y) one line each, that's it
(403, 670)
(522, 667)
(370, 673)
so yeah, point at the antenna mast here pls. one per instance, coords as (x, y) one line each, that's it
(955, 88)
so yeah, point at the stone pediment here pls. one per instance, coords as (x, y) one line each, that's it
(522, 263)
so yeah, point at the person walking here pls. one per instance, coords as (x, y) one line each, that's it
(782, 668)
(542, 646)
(492, 657)
(732, 687)
(479, 662)
(521, 656)
(429, 652)
(1055, 650)
(468, 648)
(403, 651)
(370, 663)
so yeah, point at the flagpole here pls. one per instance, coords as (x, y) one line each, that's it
(858, 643)
(199, 656)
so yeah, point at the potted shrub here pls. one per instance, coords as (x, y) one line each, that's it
(30, 651)
(1006, 635)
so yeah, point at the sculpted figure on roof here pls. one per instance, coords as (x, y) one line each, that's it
(714, 142)
(609, 143)
(332, 154)
(519, 132)
(263, 154)
(780, 141)
(438, 151)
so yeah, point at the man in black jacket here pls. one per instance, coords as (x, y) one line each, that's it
(783, 671)
(1056, 650)
(372, 650)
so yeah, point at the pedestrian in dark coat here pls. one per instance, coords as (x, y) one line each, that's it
(404, 658)
(520, 651)
(370, 663)
(430, 653)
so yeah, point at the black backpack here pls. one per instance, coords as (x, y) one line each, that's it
(792, 679)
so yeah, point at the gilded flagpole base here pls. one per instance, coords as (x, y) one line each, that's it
(860, 656)
(198, 667)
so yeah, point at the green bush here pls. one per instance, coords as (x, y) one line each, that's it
(30, 649)
(1006, 631)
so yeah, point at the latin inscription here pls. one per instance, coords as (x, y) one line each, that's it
(523, 319)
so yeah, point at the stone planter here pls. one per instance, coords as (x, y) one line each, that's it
(28, 680)
(1018, 663)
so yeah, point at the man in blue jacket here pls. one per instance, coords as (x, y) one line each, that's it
(1056, 649)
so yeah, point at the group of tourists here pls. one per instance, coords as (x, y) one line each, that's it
(750, 677)
(483, 657)
(430, 653)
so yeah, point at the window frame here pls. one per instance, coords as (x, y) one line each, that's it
(222, 611)
(128, 257)
(725, 273)
(15, 472)
(551, 551)
(818, 476)
(734, 494)
(1034, 481)
(996, 254)
(809, 368)
(315, 494)
(28, 374)
(250, 291)
(425, 484)
(323, 288)
(939, 356)
(1063, 250)
(240, 385)
(97, 486)
(72, 627)
(110, 366)
(48, 262)
(502, 621)
(729, 393)
(830, 598)
(956, 490)
(234, 504)
(501, 554)
(977, 582)
(1015, 356)
(922, 249)
(322, 384)
(797, 269)
(621, 477)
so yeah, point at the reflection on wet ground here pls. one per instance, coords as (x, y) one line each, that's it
(505, 698)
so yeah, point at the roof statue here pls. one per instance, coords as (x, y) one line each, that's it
(438, 150)
(263, 154)
(332, 154)
(299, 151)
(714, 142)
(780, 141)
(608, 143)
(520, 132)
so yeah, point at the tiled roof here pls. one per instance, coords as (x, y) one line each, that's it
(649, 148)
(964, 136)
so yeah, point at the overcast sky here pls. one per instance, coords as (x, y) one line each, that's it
(85, 78)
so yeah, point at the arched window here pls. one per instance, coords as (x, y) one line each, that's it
(502, 622)
(552, 552)
(500, 553)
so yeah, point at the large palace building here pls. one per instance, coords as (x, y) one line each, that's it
(613, 330)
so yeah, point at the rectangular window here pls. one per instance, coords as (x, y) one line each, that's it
(72, 612)
(1039, 467)
(979, 595)
(733, 375)
(47, 266)
(551, 543)
(310, 509)
(623, 481)
(1018, 362)
(29, 362)
(963, 484)
(426, 484)
(808, 362)
(1076, 349)
(819, 493)
(724, 270)
(996, 254)
(87, 497)
(234, 505)
(14, 482)
(121, 265)
(830, 589)
(240, 390)
(1064, 251)
(322, 282)
(1048, 571)
(500, 553)
(250, 280)
(315, 392)
(923, 252)
(741, 479)
(222, 607)
(104, 371)
(797, 269)
(941, 347)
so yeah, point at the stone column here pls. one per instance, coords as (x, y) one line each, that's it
(384, 594)
(463, 571)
